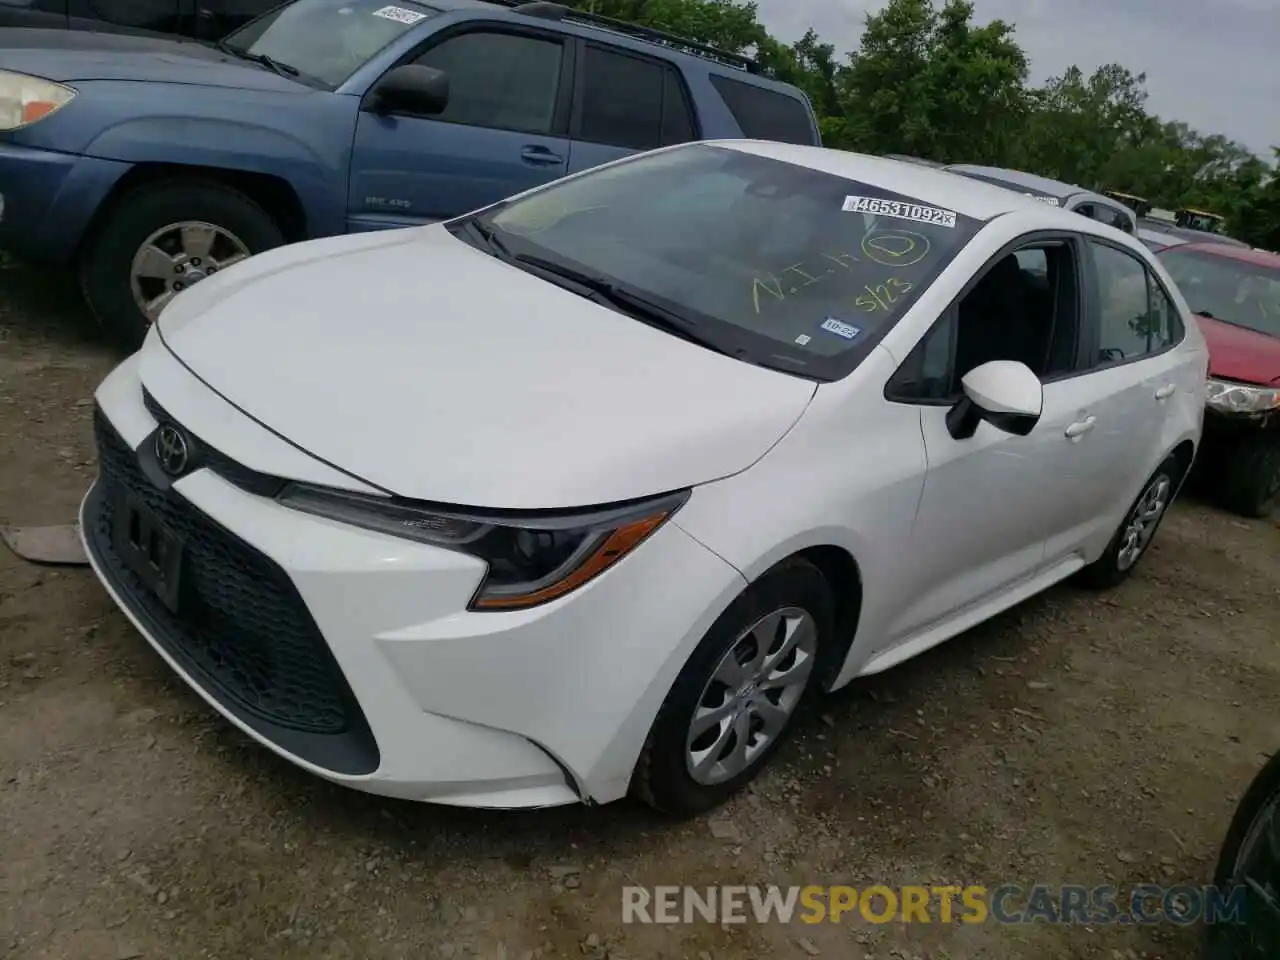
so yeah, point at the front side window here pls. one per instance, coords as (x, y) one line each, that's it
(1130, 324)
(326, 41)
(504, 81)
(779, 264)
(1227, 289)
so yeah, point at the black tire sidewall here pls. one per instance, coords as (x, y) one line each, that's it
(105, 266)
(1264, 786)
(665, 782)
(1253, 464)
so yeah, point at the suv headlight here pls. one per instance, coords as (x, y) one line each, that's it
(533, 558)
(1226, 396)
(24, 99)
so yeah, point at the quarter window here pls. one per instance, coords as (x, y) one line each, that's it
(500, 80)
(1132, 321)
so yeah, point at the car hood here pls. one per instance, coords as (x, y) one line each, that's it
(68, 56)
(426, 367)
(1238, 353)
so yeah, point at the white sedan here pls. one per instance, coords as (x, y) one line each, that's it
(582, 494)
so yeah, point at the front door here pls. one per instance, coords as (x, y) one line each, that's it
(503, 131)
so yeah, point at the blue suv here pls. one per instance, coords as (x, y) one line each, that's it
(150, 163)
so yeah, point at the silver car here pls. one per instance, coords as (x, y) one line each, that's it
(1055, 193)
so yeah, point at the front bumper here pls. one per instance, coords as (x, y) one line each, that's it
(49, 199)
(352, 653)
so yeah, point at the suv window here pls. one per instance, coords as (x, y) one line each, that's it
(630, 101)
(500, 80)
(765, 114)
(1131, 322)
(1025, 307)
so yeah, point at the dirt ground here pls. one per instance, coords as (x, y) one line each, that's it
(1077, 739)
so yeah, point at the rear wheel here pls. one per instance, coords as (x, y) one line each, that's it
(732, 704)
(161, 239)
(1136, 531)
(1250, 483)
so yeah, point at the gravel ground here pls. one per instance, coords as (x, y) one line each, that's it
(1076, 739)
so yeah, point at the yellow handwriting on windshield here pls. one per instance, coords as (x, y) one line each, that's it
(796, 277)
(895, 248)
(882, 296)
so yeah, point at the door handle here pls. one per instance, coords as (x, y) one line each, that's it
(1080, 428)
(540, 156)
(1165, 392)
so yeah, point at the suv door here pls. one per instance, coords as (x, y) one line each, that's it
(503, 131)
(624, 103)
(133, 16)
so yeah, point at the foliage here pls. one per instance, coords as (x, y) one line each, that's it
(929, 82)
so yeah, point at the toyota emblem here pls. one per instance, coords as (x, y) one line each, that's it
(171, 450)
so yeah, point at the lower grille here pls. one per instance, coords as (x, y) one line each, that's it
(243, 631)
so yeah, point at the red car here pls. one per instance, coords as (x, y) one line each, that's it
(1235, 292)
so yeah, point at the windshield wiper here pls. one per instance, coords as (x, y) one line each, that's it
(260, 58)
(489, 237)
(624, 301)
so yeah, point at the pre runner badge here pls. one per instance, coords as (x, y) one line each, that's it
(901, 211)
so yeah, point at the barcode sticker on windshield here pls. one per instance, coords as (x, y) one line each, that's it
(902, 211)
(400, 15)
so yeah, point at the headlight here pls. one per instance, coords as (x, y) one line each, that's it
(533, 558)
(24, 99)
(1228, 397)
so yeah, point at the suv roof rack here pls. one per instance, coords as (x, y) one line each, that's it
(557, 11)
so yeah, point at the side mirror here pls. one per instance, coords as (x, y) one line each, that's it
(413, 89)
(1005, 393)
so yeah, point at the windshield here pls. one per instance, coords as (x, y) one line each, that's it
(326, 41)
(778, 264)
(1244, 294)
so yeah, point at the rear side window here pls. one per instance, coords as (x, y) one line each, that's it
(766, 114)
(1132, 321)
(631, 102)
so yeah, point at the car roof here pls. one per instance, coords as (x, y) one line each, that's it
(1020, 178)
(972, 198)
(1258, 258)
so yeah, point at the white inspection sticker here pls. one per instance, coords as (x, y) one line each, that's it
(841, 329)
(400, 15)
(902, 211)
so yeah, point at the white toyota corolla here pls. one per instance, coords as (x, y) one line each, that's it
(581, 494)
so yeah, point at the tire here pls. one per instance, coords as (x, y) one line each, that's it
(107, 264)
(795, 598)
(1250, 483)
(1258, 938)
(1115, 565)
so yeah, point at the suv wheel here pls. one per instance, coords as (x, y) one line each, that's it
(161, 239)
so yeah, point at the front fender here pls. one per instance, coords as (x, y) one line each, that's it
(303, 138)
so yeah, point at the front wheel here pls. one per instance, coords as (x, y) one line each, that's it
(732, 704)
(161, 239)
(1136, 531)
(1250, 483)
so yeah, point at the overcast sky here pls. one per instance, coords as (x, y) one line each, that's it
(1214, 64)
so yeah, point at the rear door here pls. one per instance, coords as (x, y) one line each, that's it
(623, 103)
(504, 130)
